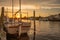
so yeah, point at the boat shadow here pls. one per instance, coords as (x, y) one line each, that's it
(24, 36)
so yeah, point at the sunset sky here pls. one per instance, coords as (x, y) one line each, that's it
(42, 7)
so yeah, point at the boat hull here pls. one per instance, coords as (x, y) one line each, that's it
(25, 27)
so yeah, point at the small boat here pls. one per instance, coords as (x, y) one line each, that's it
(25, 27)
(14, 27)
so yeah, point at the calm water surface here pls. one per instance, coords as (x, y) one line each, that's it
(45, 30)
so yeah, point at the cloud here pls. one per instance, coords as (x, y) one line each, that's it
(8, 2)
(47, 4)
(40, 3)
(56, 2)
(50, 6)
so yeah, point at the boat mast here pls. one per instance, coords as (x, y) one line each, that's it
(7, 15)
(12, 11)
(27, 16)
(20, 10)
(20, 17)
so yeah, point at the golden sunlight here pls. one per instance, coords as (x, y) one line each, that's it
(29, 7)
(9, 15)
(26, 7)
(18, 15)
(22, 7)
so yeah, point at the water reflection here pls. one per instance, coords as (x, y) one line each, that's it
(12, 36)
(46, 30)
(54, 28)
(24, 36)
(46, 27)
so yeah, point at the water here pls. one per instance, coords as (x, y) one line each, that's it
(45, 30)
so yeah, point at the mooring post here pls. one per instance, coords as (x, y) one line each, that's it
(2, 24)
(34, 25)
(2, 19)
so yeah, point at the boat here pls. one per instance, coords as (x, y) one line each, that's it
(15, 29)
(12, 28)
(25, 27)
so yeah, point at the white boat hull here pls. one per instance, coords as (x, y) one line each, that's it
(14, 28)
(25, 27)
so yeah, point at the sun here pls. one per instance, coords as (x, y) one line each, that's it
(16, 8)
(17, 15)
